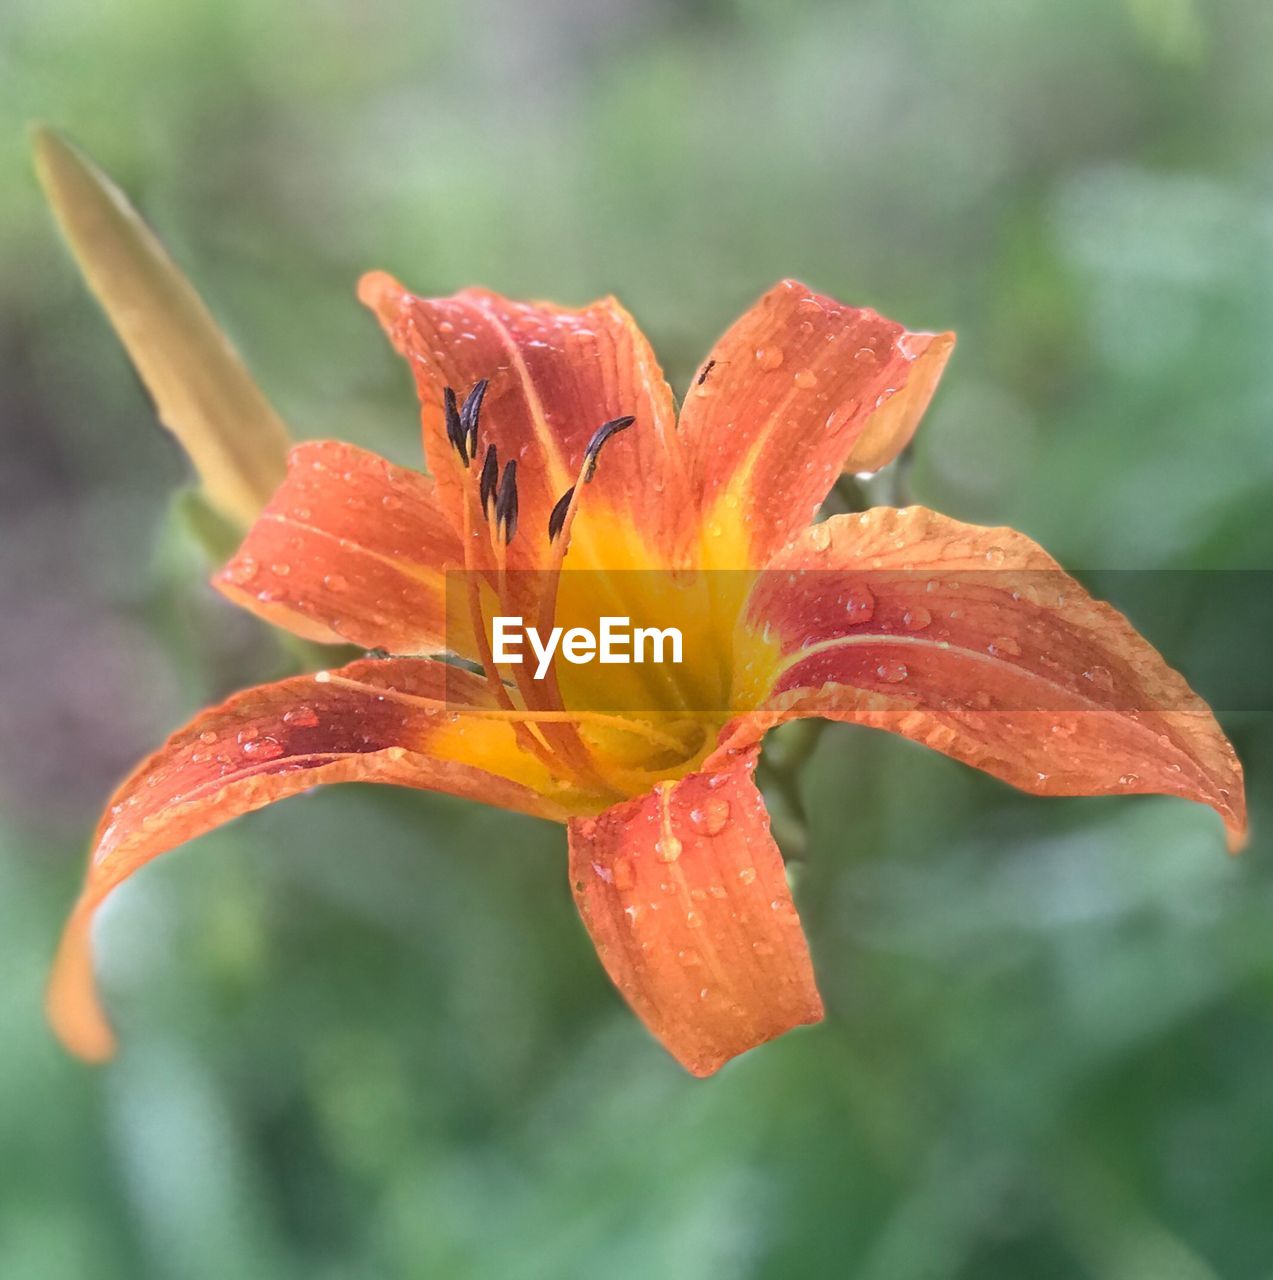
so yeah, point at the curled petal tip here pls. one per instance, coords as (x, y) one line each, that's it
(383, 294)
(1238, 836)
(74, 1010)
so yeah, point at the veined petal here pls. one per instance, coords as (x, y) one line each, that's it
(350, 549)
(799, 389)
(973, 641)
(203, 392)
(410, 722)
(555, 376)
(684, 894)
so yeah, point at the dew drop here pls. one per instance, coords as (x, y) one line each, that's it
(748, 875)
(820, 536)
(1004, 647)
(668, 848)
(335, 582)
(207, 737)
(806, 379)
(263, 749)
(242, 570)
(891, 671)
(302, 717)
(1100, 677)
(281, 569)
(916, 618)
(859, 604)
(769, 357)
(711, 817)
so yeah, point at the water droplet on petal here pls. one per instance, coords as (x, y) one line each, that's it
(668, 848)
(207, 737)
(769, 357)
(624, 874)
(335, 582)
(891, 671)
(916, 618)
(303, 717)
(806, 379)
(281, 569)
(241, 570)
(747, 875)
(820, 536)
(1004, 647)
(859, 604)
(1100, 677)
(263, 748)
(712, 817)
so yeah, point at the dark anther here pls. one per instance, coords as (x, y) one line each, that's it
(599, 437)
(707, 368)
(454, 427)
(506, 502)
(558, 516)
(469, 411)
(490, 478)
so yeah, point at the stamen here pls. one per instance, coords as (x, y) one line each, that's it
(454, 427)
(599, 437)
(469, 412)
(490, 478)
(506, 502)
(558, 516)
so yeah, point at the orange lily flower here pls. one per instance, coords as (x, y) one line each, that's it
(560, 474)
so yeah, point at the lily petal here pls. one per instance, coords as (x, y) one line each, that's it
(350, 549)
(555, 376)
(203, 392)
(683, 892)
(408, 722)
(799, 389)
(973, 641)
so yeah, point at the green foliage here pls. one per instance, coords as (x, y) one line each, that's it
(364, 1034)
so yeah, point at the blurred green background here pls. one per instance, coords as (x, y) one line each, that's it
(364, 1034)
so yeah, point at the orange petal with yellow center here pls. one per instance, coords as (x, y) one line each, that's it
(973, 641)
(409, 722)
(349, 549)
(684, 894)
(800, 388)
(555, 375)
